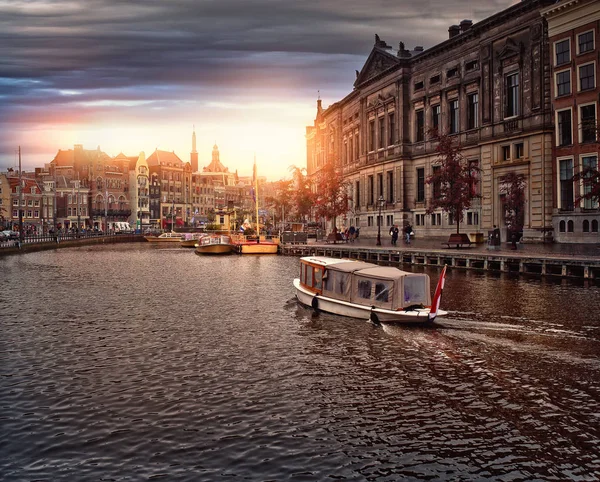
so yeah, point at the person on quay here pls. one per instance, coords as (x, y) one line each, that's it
(407, 232)
(394, 231)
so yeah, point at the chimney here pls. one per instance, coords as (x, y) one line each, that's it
(453, 31)
(465, 25)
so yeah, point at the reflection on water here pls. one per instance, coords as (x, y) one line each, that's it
(131, 362)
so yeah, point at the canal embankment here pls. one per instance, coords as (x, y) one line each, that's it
(43, 243)
(568, 261)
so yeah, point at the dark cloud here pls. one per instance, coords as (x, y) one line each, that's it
(59, 58)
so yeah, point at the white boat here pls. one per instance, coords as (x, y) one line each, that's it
(215, 244)
(165, 237)
(364, 290)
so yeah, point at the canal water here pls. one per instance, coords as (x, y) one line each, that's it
(141, 362)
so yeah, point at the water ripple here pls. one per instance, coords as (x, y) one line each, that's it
(129, 362)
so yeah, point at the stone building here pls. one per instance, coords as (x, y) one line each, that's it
(139, 191)
(487, 85)
(170, 189)
(573, 27)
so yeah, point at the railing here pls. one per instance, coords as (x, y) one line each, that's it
(54, 238)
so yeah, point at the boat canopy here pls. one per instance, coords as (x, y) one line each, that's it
(380, 286)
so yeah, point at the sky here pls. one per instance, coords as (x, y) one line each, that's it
(140, 75)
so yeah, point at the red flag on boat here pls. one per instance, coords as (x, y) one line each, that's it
(437, 297)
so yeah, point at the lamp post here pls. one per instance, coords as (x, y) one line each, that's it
(380, 201)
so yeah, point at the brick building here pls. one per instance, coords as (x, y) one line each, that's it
(573, 27)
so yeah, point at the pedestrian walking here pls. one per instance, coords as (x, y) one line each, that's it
(408, 232)
(394, 231)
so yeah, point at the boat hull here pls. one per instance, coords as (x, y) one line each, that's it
(257, 248)
(215, 249)
(353, 310)
(154, 239)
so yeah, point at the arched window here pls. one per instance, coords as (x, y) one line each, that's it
(561, 227)
(570, 226)
(594, 225)
(586, 226)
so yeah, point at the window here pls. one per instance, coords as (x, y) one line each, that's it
(563, 83)
(562, 51)
(356, 144)
(473, 178)
(566, 184)
(371, 190)
(472, 65)
(519, 150)
(436, 117)
(505, 153)
(371, 135)
(451, 73)
(564, 128)
(512, 95)
(437, 185)
(392, 129)
(453, 117)
(473, 111)
(419, 85)
(381, 132)
(585, 42)
(420, 184)
(435, 79)
(589, 165)
(364, 289)
(379, 185)
(382, 290)
(588, 123)
(586, 77)
(420, 126)
(390, 186)
(357, 195)
(350, 153)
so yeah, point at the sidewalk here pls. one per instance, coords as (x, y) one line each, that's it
(435, 244)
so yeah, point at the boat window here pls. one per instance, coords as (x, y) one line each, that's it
(303, 273)
(318, 278)
(364, 289)
(340, 286)
(382, 291)
(414, 290)
(309, 275)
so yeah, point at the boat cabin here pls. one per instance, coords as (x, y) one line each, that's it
(365, 283)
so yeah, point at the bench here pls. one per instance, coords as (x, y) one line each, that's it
(459, 240)
(333, 238)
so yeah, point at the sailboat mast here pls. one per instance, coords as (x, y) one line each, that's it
(256, 197)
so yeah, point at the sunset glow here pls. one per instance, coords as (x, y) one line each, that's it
(132, 77)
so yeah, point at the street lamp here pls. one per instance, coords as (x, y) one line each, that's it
(380, 201)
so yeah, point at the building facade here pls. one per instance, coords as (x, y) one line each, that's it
(487, 86)
(573, 27)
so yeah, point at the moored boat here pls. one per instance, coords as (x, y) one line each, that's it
(364, 290)
(165, 238)
(252, 245)
(215, 244)
(189, 240)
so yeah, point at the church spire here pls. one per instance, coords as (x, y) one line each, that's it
(194, 153)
